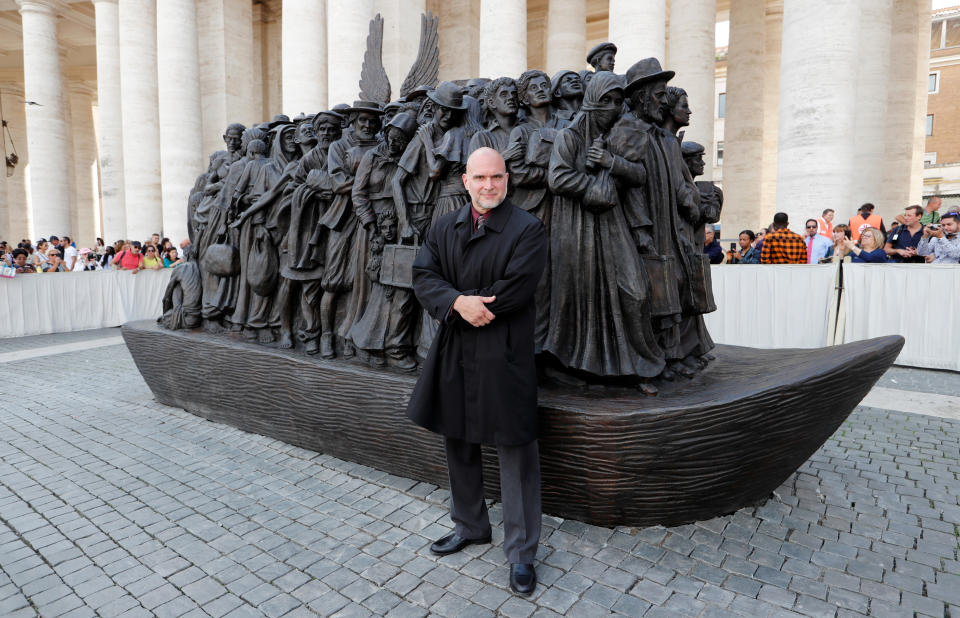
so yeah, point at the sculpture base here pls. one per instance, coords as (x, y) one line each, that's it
(702, 448)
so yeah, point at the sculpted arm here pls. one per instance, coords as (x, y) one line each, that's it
(361, 201)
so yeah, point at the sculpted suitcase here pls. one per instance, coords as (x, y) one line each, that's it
(397, 266)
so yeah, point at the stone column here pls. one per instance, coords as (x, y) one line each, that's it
(181, 130)
(873, 78)
(304, 56)
(692, 55)
(110, 123)
(18, 216)
(86, 181)
(401, 37)
(819, 54)
(140, 111)
(459, 33)
(771, 110)
(47, 137)
(566, 35)
(348, 24)
(922, 43)
(743, 125)
(638, 28)
(271, 58)
(503, 38)
(225, 36)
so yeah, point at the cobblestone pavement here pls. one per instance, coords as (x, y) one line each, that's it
(111, 504)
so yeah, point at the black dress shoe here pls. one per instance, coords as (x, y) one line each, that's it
(523, 579)
(453, 542)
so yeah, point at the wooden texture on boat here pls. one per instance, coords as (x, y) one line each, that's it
(609, 456)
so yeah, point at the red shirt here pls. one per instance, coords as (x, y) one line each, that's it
(129, 260)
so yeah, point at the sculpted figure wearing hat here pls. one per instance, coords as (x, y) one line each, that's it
(389, 317)
(599, 315)
(567, 93)
(602, 57)
(337, 226)
(662, 212)
(428, 183)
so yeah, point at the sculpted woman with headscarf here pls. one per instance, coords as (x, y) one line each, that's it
(599, 315)
(220, 292)
(259, 256)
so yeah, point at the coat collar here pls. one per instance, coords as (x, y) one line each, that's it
(496, 219)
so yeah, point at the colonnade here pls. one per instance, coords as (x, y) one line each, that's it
(825, 100)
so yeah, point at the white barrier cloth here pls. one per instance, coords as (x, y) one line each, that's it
(38, 304)
(919, 301)
(771, 305)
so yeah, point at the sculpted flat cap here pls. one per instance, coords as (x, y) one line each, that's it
(690, 149)
(599, 49)
(647, 70)
(447, 94)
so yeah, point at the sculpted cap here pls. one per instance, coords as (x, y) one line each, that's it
(599, 49)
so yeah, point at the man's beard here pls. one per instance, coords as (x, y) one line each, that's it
(489, 205)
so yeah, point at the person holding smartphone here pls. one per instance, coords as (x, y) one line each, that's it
(743, 251)
(941, 242)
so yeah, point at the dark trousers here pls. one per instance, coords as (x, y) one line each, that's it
(519, 490)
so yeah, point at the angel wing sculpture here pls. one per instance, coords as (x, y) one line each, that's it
(426, 67)
(374, 83)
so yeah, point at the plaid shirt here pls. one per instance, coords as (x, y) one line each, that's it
(783, 247)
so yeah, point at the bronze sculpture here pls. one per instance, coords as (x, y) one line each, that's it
(315, 243)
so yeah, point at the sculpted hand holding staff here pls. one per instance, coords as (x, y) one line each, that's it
(476, 274)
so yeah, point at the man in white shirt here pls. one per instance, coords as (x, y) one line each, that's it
(817, 245)
(69, 254)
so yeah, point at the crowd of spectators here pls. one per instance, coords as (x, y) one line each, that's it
(919, 235)
(55, 255)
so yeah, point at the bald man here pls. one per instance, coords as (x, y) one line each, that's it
(476, 274)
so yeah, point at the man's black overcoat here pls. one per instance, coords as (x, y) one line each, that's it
(479, 384)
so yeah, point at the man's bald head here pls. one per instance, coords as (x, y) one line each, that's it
(486, 179)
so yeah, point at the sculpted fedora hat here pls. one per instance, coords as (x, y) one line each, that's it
(371, 107)
(646, 70)
(447, 94)
(419, 92)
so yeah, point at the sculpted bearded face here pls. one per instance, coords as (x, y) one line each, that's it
(647, 99)
(537, 93)
(328, 131)
(426, 112)
(366, 125)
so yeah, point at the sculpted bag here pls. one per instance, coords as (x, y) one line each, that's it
(664, 292)
(701, 284)
(396, 269)
(221, 260)
(263, 265)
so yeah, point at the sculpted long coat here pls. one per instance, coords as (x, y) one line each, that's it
(480, 384)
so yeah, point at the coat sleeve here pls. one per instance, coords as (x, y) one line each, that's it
(435, 293)
(361, 203)
(515, 290)
(340, 174)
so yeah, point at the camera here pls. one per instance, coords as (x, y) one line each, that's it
(934, 226)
